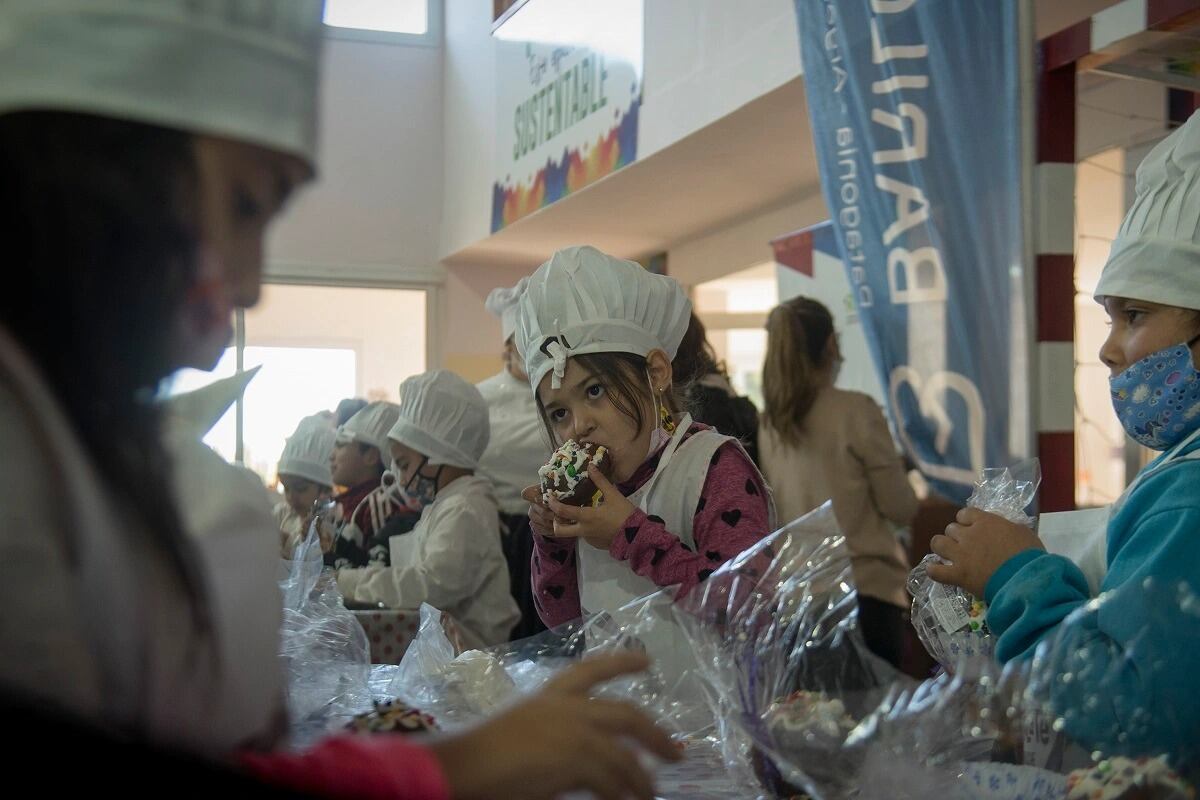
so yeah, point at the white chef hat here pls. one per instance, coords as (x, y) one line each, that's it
(246, 71)
(370, 427)
(307, 452)
(504, 303)
(196, 412)
(443, 417)
(582, 301)
(1156, 255)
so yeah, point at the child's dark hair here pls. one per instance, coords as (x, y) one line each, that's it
(99, 224)
(696, 357)
(694, 361)
(625, 382)
(347, 408)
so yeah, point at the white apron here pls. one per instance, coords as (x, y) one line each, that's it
(672, 493)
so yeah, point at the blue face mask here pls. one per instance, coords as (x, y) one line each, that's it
(1157, 399)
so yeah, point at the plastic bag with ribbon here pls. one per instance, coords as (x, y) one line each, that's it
(1104, 708)
(325, 653)
(459, 688)
(951, 622)
(802, 705)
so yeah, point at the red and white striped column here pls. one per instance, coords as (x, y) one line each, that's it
(1054, 203)
(1106, 36)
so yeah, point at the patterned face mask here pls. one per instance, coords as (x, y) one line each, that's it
(1157, 399)
(419, 492)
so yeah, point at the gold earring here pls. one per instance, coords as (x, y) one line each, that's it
(668, 423)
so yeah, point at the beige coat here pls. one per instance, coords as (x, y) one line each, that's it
(846, 453)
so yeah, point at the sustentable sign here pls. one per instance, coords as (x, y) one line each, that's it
(567, 110)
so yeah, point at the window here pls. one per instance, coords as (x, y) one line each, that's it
(734, 310)
(292, 383)
(398, 22)
(316, 345)
(389, 16)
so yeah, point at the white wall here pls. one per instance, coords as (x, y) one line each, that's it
(708, 58)
(704, 60)
(471, 343)
(741, 244)
(385, 329)
(1118, 113)
(378, 197)
(425, 116)
(1100, 203)
(469, 114)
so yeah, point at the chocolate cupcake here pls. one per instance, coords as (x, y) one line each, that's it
(566, 477)
(810, 728)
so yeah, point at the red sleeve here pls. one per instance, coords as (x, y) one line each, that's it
(363, 767)
(731, 516)
(555, 580)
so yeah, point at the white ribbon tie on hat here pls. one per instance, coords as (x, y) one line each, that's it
(558, 352)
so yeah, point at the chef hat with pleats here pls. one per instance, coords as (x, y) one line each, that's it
(307, 452)
(582, 301)
(1156, 255)
(505, 304)
(443, 417)
(246, 71)
(370, 427)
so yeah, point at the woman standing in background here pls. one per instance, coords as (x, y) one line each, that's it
(817, 443)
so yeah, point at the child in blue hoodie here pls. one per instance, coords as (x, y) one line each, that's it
(1128, 664)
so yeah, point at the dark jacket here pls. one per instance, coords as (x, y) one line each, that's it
(730, 414)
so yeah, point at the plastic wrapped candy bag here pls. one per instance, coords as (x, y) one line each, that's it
(957, 735)
(325, 653)
(1089, 717)
(671, 691)
(438, 677)
(460, 688)
(802, 705)
(1104, 710)
(951, 622)
(773, 631)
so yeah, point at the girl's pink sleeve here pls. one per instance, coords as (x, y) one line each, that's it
(731, 515)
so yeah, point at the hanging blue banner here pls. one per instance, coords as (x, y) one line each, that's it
(915, 115)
